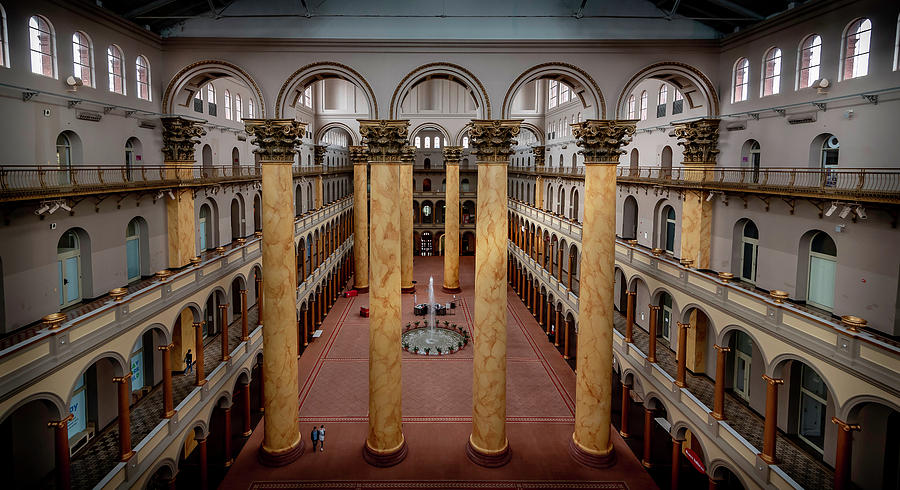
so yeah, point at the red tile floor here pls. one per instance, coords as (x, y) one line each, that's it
(437, 404)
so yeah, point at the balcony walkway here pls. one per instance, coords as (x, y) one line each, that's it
(101, 455)
(805, 469)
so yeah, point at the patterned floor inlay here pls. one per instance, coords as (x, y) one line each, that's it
(400, 484)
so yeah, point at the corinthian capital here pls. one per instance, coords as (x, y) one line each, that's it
(601, 140)
(179, 137)
(384, 137)
(492, 139)
(539, 152)
(452, 154)
(319, 154)
(408, 155)
(699, 139)
(359, 154)
(276, 139)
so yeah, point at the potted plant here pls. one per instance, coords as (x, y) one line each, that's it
(447, 324)
(406, 346)
(417, 322)
(439, 351)
(416, 349)
(459, 345)
(427, 351)
(466, 340)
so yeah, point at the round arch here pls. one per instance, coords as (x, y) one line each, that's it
(533, 129)
(188, 80)
(717, 467)
(690, 81)
(447, 71)
(776, 365)
(583, 85)
(320, 133)
(432, 126)
(45, 396)
(730, 329)
(322, 70)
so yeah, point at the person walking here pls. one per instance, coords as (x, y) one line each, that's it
(188, 362)
(315, 437)
(321, 438)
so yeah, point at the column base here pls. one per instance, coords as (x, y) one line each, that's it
(384, 460)
(447, 290)
(170, 414)
(624, 435)
(362, 289)
(717, 416)
(591, 460)
(768, 459)
(280, 458)
(247, 433)
(646, 464)
(408, 290)
(126, 457)
(491, 460)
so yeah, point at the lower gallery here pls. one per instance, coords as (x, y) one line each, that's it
(585, 244)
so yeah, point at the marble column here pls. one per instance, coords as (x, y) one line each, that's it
(771, 420)
(168, 402)
(385, 444)
(199, 364)
(681, 354)
(179, 138)
(63, 471)
(718, 412)
(491, 142)
(843, 453)
(600, 142)
(646, 460)
(123, 386)
(245, 332)
(226, 352)
(359, 155)
(629, 315)
(651, 349)
(276, 141)
(676, 462)
(245, 409)
(407, 158)
(450, 285)
(699, 140)
(626, 406)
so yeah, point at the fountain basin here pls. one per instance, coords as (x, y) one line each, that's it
(434, 342)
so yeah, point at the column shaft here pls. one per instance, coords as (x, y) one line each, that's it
(719, 394)
(226, 436)
(556, 327)
(771, 421)
(259, 301)
(245, 331)
(360, 219)
(651, 349)
(451, 227)
(168, 402)
(648, 431)
(843, 454)
(629, 316)
(682, 354)
(63, 471)
(245, 407)
(226, 351)
(124, 390)
(626, 406)
(676, 462)
(406, 222)
(202, 461)
(199, 363)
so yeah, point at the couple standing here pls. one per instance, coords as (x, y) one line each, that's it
(318, 437)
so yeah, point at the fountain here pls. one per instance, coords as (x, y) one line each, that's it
(432, 339)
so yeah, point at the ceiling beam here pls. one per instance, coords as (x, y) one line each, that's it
(740, 9)
(146, 8)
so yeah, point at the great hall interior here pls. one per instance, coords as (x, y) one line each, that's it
(524, 244)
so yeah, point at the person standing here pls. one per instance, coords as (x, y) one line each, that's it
(315, 437)
(188, 362)
(321, 438)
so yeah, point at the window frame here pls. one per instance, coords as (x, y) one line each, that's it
(643, 107)
(142, 85)
(111, 52)
(845, 45)
(78, 68)
(740, 78)
(228, 115)
(777, 61)
(238, 107)
(51, 46)
(809, 69)
(552, 94)
(4, 39)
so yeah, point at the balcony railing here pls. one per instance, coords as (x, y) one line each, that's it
(40, 181)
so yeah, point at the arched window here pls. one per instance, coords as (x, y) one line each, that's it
(71, 269)
(669, 229)
(4, 36)
(631, 112)
(644, 105)
(42, 43)
(211, 99)
(629, 218)
(418, 142)
(115, 62)
(427, 163)
(437, 142)
(812, 407)
(228, 114)
(250, 113)
(809, 60)
(749, 251)
(857, 39)
(830, 152)
(573, 204)
(134, 243)
(142, 75)
(743, 355)
(238, 108)
(663, 98)
(677, 102)
(772, 72)
(822, 268)
(465, 141)
(741, 80)
(896, 46)
(426, 185)
(83, 58)
(207, 240)
(464, 185)
(427, 142)
(665, 317)
(198, 102)
(132, 156)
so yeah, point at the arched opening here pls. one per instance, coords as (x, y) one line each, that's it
(207, 157)
(426, 248)
(571, 84)
(689, 83)
(725, 479)
(665, 162)
(751, 155)
(629, 218)
(745, 250)
(464, 185)
(257, 213)
(695, 353)
(426, 185)
(68, 155)
(810, 405)
(440, 210)
(875, 453)
(237, 218)
(28, 448)
(573, 205)
(664, 327)
(817, 269)
(427, 212)
(667, 229)
(467, 217)
(207, 225)
(440, 88)
(211, 315)
(467, 244)
(323, 87)
(73, 257)
(634, 163)
(137, 249)
(92, 402)
(133, 155)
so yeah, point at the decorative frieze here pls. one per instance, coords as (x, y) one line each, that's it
(276, 139)
(492, 140)
(452, 154)
(385, 138)
(179, 137)
(601, 140)
(700, 141)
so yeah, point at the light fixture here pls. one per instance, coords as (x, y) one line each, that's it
(159, 195)
(832, 209)
(846, 211)
(65, 206)
(54, 207)
(710, 196)
(41, 210)
(171, 196)
(861, 212)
